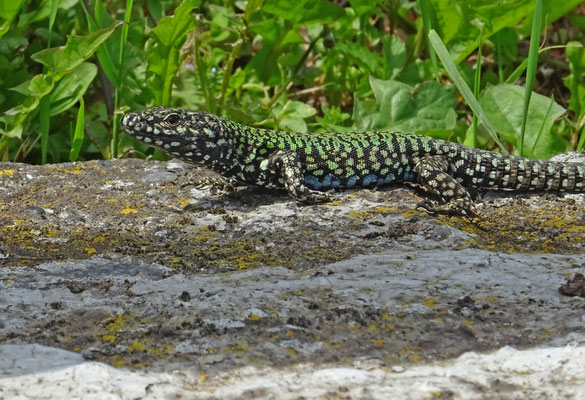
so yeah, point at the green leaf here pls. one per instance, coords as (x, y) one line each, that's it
(394, 56)
(362, 57)
(576, 56)
(14, 125)
(79, 132)
(171, 28)
(71, 88)
(503, 105)
(41, 85)
(291, 116)
(363, 6)
(293, 125)
(8, 10)
(305, 12)
(461, 36)
(103, 54)
(76, 50)
(42, 11)
(170, 35)
(298, 109)
(429, 107)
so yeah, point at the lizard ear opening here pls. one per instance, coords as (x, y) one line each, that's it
(173, 119)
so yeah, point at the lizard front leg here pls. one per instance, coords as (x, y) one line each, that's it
(287, 166)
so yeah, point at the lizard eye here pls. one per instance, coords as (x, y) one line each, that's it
(173, 119)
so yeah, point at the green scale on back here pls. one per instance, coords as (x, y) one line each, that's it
(308, 164)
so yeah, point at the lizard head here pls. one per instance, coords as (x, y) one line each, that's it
(194, 136)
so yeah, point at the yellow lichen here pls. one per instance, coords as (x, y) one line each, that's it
(109, 338)
(236, 348)
(135, 346)
(430, 302)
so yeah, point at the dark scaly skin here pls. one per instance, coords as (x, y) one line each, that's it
(309, 164)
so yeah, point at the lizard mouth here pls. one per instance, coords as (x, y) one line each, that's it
(132, 124)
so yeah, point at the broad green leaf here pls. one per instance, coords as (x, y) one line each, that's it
(170, 29)
(362, 57)
(79, 133)
(503, 105)
(394, 56)
(76, 50)
(298, 109)
(362, 6)
(429, 107)
(157, 8)
(42, 11)
(8, 10)
(72, 87)
(41, 85)
(305, 12)
(461, 36)
(293, 125)
(576, 56)
(170, 35)
(28, 105)
(291, 116)
(14, 125)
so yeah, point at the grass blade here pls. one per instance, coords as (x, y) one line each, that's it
(54, 8)
(476, 85)
(581, 126)
(425, 9)
(546, 118)
(45, 123)
(120, 83)
(451, 68)
(531, 69)
(79, 132)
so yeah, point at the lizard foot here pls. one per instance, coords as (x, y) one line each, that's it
(222, 184)
(309, 196)
(455, 207)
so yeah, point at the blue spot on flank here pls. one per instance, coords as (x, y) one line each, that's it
(369, 180)
(312, 182)
(330, 181)
(409, 176)
(389, 178)
(352, 180)
(335, 182)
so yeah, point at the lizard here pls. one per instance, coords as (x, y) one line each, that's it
(310, 165)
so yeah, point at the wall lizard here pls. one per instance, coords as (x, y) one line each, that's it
(309, 165)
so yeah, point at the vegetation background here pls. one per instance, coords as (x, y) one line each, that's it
(461, 70)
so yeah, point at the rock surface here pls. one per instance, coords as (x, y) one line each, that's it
(175, 286)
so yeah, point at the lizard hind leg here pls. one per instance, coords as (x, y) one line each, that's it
(288, 167)
(433, 176)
